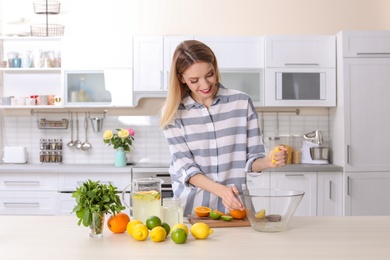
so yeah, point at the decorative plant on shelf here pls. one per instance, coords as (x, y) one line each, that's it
(123, 139)
(94, 200)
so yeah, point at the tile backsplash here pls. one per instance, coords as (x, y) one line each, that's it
(150, 144)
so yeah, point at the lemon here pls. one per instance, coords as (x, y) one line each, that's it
(179, 236)
(158, 234)
(276, 149)
(201, 230)
(152, 222)
(140, 232)
(183, 226)
(260, 214)
(131, 224)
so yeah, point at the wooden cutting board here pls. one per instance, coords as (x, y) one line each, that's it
(219, 222)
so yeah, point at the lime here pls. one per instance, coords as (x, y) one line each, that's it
(215, 215)
(226, 218)
(158, 234)
(182, 226)
(179, 236)
(166, 227)
(140, 232)
(152, 222)
(201, 230)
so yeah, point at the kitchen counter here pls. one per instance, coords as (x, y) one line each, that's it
(38, 168)
(55, 237)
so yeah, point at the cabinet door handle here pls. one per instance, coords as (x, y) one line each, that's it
(301, 64)
(21, 204)
(348, 185)
(294, 175)
(373, 53)
(80, 183)
(162, 80)
(348, 153)
(21, 182)
(330, 190)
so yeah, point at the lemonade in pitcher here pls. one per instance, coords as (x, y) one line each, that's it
(146, 204)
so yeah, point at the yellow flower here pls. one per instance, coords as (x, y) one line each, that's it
(107, 135)
(124, 133)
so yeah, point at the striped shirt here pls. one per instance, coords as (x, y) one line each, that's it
(221, 142)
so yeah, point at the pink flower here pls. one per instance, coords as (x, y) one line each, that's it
(131, 131)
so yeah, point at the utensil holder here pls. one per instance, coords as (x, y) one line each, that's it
(97, 124)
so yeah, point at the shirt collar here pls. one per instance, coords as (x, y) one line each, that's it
(222, 96)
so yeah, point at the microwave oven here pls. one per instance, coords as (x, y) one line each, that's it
(300, 87)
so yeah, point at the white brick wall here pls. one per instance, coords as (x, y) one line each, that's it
(150, 144)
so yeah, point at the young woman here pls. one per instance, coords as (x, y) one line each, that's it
(212, 132)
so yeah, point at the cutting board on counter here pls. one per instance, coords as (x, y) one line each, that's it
(219, 222)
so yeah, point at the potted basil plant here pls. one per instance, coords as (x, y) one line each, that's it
(94, 200)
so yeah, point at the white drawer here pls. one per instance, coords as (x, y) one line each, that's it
(28, 182)
(69, 181)
(27, 203)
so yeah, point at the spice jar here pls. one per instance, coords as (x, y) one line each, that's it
(172, 212)
(42, 144)
(42, 157)
(47, 157)
(53, 144)
(47, 144)
(59, 156)
(59, 144)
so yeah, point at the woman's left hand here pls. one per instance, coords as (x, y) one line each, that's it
(229, 199)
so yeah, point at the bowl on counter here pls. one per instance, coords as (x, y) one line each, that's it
(270, 210)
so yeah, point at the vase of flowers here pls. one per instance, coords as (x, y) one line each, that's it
(122, 142)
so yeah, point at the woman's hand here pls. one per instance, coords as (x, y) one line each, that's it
(229, 199)
(276, 159)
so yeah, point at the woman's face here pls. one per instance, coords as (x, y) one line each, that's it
(200, 78)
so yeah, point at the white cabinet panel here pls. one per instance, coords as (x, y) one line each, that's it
(236, 51)
(330, 194)
(27, 203)
(300, 51)
(365, 43)
(28, 182)
(300, 181)
(367, 194)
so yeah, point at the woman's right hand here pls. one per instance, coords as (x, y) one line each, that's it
(277, 157)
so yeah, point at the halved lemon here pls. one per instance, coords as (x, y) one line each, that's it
(202, 211)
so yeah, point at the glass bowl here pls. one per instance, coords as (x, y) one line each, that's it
(270, 210)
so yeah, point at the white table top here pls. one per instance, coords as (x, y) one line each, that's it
(59, 237)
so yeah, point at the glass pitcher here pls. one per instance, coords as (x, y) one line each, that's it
(145, 194)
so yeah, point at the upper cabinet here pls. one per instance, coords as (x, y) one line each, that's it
(300, 51)
(365, 43)
(241, 63)
(236, 52)
(300, 71)
(152, 61)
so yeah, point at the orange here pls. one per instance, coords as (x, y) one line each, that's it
(118, 223)
(202, 211)
(238, 214)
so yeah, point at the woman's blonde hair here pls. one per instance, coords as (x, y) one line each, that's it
(186, 54)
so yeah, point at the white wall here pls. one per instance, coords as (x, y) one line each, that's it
(217, 17)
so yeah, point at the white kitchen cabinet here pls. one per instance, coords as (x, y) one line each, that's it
(367, 193)
(365, 43)
(300, 51)
(97, 52)
(241, 63)
(25, 82)
(28, 193)
(152, 60)
(243, 52)
(330, 194)
(300, 181)
(359, 125)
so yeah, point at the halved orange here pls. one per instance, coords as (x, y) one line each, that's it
(202, 211)
(238, 214)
